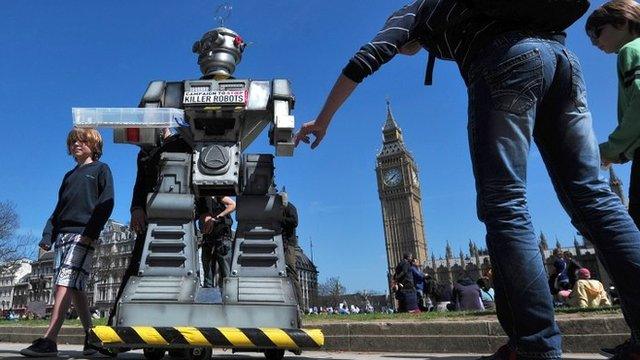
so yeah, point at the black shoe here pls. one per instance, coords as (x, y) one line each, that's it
(503, 353)
(627, 351)
(41, 347)
(614, 350)
(90, 349)
(106, 351)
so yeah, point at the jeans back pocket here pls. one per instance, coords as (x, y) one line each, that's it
(516, 83)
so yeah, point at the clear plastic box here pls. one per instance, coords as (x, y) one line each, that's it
(128, 117)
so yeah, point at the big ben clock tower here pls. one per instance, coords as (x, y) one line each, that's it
(399, 192)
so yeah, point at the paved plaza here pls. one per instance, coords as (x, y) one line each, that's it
(11, 351)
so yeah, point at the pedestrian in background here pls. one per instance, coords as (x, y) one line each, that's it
(406, 291)
(217, 241)
(419, 283)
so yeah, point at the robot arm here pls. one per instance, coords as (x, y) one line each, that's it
(283, 122)
(143, 137)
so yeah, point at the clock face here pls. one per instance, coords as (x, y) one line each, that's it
(392, 177)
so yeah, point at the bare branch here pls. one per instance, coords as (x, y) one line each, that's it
(13, 246)
(367, 294)
(332, 290)
(9, 221)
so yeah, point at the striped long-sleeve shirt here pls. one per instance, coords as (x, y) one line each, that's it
(447, 28)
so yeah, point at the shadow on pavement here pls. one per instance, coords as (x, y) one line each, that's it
(440, 356)
(565, 356)
(62, 354)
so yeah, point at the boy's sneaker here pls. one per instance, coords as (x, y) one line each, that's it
(88, 349)
(614, 350)
(503, 353)
(41, 347)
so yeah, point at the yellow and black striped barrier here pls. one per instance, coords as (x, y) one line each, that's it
(221, 337)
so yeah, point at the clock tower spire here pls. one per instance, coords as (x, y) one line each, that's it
(400, 198)
(392, 141)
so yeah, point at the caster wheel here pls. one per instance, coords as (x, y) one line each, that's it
(198, 354)
(153, 354)
(274, 354)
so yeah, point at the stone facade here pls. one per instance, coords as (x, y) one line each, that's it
(476, 262)
(11, 275)
(21, 296)
(110, 261)
(308, 278)
(40, 288)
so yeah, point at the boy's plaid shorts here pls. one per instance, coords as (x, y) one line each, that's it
(72, 261)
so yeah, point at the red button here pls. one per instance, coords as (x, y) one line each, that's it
(133, 134)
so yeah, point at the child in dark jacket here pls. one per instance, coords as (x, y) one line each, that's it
(85, 202)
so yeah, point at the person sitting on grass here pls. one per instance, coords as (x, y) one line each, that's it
(466, 295)
(588, 292)
(487, 294)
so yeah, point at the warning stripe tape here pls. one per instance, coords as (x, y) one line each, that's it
(240, 338)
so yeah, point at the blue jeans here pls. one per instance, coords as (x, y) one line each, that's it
(524, 88)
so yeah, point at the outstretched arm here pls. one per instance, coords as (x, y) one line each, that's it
(394, 37)
(318, 127)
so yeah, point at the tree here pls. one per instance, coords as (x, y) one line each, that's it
(331, 291)
(13, 246)
(366, 295)
(8, 219)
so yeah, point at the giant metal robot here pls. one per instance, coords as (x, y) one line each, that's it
(164, 307)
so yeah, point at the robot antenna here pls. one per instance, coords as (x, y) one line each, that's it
(223, 13)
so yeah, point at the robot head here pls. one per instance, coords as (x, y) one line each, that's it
(219, 51)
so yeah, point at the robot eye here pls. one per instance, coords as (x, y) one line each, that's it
(239, 43)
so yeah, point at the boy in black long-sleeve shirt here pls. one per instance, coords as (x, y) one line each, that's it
(85, 202)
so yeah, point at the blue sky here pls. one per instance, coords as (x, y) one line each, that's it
(59, 55)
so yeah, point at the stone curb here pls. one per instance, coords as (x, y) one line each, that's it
(459, 344)
(586, 335)
(582, 335)
(574, 326)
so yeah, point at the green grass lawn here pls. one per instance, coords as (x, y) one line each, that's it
(323, 318)
(452, 315)
(73, 322)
